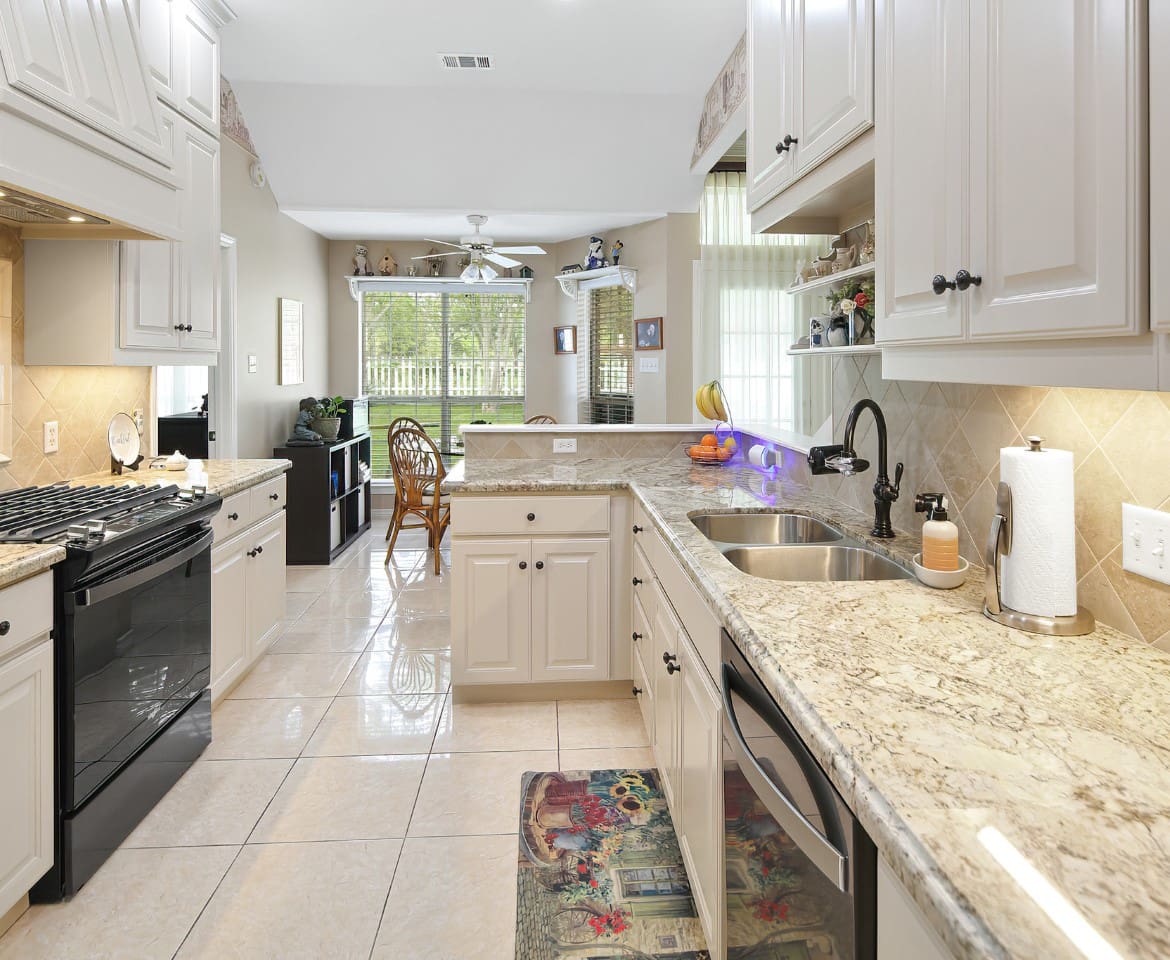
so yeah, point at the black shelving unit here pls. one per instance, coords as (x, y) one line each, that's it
(329, 499)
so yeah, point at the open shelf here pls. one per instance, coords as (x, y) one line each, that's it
(861, 348)
(601, 277)
(823, 284)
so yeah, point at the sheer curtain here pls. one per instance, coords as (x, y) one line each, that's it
(746, 321)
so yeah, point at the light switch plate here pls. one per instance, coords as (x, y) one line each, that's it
(565, 445)
(251, 363)
(1145, 540)
(647, 364)
(52, 437)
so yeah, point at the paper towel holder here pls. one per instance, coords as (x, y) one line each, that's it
(999, 542)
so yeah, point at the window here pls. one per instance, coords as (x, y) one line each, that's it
(653, 882)
(444, 358)
(609, 396)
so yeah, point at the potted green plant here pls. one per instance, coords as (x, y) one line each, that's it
(327, 417)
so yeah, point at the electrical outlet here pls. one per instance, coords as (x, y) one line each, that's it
(1145, 539)
(565, 445)
(52, 440)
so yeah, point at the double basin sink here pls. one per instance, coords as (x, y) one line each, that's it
(795, 547)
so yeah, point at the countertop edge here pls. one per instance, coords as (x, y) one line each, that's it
(34, 559)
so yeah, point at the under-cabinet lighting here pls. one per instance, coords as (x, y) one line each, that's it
(1072, 922)
(76, 219)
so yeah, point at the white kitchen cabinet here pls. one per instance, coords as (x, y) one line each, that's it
(83, 59)
(1047, 160)
(229, 615)
(810, 69)
(266, 583)
(570, 609)
(181, 44)
(1159, 66)
(199, 301)
(902, 931)
(150, 273)
(491, 610)
(667, 703)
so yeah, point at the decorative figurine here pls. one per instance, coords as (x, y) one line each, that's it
(303, 435)
(595, 260)
(389, 266)
(412, 271)
(361, 261)
(616, 252)
(434, 263)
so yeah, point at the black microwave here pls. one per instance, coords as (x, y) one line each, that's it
(355, 422)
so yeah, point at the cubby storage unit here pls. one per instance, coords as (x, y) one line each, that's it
(328, 498)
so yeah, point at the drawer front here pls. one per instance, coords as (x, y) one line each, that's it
(234, 515)
(26, 611)
(644, 645)
(267, 498)
(696, 617)
(641, 522)
(529, 516)
(645, 694)
(643, 581)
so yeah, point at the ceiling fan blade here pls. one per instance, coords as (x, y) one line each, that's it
(506, 262)
(445, 243)
(435, 256)
(532, 251)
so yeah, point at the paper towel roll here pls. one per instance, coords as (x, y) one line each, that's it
(762, 456)
(1040, 574)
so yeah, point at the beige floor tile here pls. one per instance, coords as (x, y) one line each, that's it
(428, 601)
(258, 729)
(139, 905)
(473, 727)
(474, 793)
(350, 606)
(215, 802)
(296, 675)
(296, 602)
(418, 925)
(600, 723)
(309, 579)
(327, 636)
(399, 671)
(416, 633)
(343, 798)
(377, 726)
(608, 758)
(297, 900)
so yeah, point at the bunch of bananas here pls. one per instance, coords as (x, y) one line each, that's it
(709, 400)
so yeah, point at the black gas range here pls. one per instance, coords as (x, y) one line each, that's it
(132, 654)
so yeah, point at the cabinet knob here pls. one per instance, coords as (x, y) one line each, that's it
(539, 564)
(941, 284)
(179, 327)
(233, 516)
(637, 529)
(5, 626)
(668, 657)
(786, 144)
(964, 279)
(636, 636)
(637, 581)
(259, 550)
(637, 691)
(274, 496)
(673, 668)
(251, 553)
(188, 328)
(523, 564)
(531, 517)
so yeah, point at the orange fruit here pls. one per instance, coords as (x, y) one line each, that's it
(709, 440)
(724, 455)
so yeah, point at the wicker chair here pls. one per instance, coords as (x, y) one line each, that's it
(395, 425)
(541, 418)
(418, 476)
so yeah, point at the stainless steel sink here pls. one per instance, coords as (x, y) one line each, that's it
(815, 563)
(764, 528)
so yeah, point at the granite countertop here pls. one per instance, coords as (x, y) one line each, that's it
(19, 561)
(935, 722)
(224, 477)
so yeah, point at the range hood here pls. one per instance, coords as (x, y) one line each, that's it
(23, 209)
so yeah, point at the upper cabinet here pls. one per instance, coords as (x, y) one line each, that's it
(810, 71)
(1159, 67)
(181, 44)
(1011, 186)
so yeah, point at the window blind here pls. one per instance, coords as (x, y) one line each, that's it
(607, 377)
(444, 358)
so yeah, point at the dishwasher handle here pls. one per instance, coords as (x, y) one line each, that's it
(812, 843)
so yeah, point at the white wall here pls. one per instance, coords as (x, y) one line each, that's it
(277, 258)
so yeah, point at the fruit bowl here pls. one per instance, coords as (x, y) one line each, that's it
(709, 460)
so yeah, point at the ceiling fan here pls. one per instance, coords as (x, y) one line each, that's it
(479, 248)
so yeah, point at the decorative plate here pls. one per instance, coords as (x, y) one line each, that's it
(125, 443)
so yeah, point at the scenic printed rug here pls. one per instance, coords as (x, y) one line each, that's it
(601, 874)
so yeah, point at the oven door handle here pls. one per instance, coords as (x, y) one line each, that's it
(814, 844)
(95, 595)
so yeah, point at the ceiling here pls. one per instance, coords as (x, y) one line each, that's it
(586, 121)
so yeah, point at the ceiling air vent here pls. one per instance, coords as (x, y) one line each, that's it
(465, 61)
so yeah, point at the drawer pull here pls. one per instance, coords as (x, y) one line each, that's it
(636, 636)
(637, 529)
(5, 626)
(539, 564)
(964, 279)
(637, 691)
(673, 668)
(523, 564)
(274, 496)
(251, 553)
(637, 581)
(531, 517)
(233, 516)
(668, 657)
(259, 550)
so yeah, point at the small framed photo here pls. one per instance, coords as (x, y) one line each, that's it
(291, 316)
(564, 340)
(648, 334)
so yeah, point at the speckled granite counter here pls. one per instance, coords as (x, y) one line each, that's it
(934, 722)
(224, 477)
(19, 561)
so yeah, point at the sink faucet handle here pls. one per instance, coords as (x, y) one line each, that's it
(898, 479)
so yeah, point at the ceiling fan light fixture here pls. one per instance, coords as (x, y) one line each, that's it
(487, 273)
(470, 273)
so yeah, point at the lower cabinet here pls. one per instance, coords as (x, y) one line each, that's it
(902, 929)
(530, 610)
(247, 599)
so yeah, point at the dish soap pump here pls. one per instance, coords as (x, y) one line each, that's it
(940, 537)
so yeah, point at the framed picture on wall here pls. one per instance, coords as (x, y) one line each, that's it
(564, 340)
(291, 319)
(648, 334)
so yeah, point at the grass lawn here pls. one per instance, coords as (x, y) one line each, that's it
(382, 412)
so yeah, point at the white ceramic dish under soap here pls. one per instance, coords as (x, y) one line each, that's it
(941, 579)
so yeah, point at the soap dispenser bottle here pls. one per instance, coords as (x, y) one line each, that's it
(940, 537)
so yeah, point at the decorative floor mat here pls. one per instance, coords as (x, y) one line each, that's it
(601, 874)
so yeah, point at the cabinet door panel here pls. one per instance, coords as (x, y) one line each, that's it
(833, 68)
(200, 70)
(200, 240)
(921, 146)
(490, 628)
(570, 610)
(229, 615)
(149, 302)
(266, 583)
(158, 21)
(1057, 192)
(36, 50)
(140, 113)
(1159, 163)
(666, 703)
(26, 757)
(770, 114)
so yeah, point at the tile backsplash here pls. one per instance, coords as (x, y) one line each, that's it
(949, 436)
(81, 399)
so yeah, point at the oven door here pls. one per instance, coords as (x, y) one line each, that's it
(800, 871)
(136, 652)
